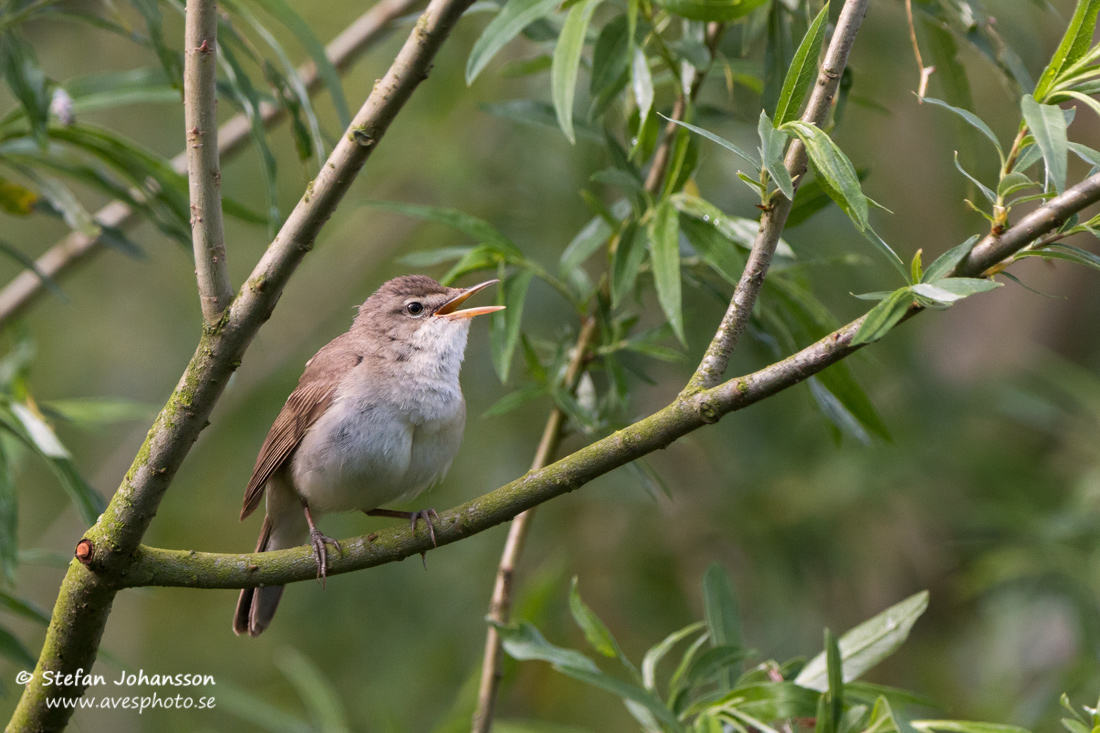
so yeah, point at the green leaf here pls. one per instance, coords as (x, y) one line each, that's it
(248, 99)
(1075, 44)
(884, 316)
(1012, 183)
(842, 385)
(512, 18)
(716, 250)
(595, 631)
(98, 410)
(515, 400)
(476, 228)
(664, 242)
(432, 257)
(974, 121)
(504, 326)
(835, 674)
(19, 256)
(9, 522)
(625, 262)
(13, 650)
(869, 643)
(735, 228)
(721, 141)
(720, 611)
(958, 288)
(986, 191)
(775, 700)
(24, 608)
(658, 652)
(835, 171)
(567, 59)
(1085, 153)
(1066, 252)
(642, 84)
(15, 199)
(802, 71)
(708, 10)
(627, 692)
(772, 144)
(316, 692)
(965, 726)
(610, 64)
(946, 263)
(872, 236)
(283, 13)
(27, 82)
(525, 642)
(812, 198)
(1048, 125)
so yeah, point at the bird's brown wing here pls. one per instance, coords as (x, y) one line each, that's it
(313, 396)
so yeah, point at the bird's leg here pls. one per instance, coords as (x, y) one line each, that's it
(426, 514)
(318, 541)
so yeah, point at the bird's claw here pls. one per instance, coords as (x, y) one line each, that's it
(318, 542)
(427, 515)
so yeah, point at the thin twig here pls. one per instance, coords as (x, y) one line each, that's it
(733, 324)
(925, 71)
(185, 568)
(501, 603)
(200, 115)
(63, 258)
(84, 600)
(500, 606)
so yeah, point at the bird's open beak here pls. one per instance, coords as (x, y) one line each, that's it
(448, 309)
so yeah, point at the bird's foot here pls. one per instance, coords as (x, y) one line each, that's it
(426, 514)
(319, 542)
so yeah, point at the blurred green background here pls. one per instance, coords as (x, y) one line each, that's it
(988, 495)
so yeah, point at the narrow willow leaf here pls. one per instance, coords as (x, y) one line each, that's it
(658, 652)
(1085, 153)
(716, 250)
(431, 257)
(974, 121)
(28, 262)
(567, 59)
(843, 386)
(13, 650)
(27, 82)
(868, 643)
(1064, 252)
(946, 263)
(962, 287)
(835, 170)
(802, 71)
(596, 631)
(283, 13)
(772, 144)
(1085, 99)
(512, 18)
(884, 316)
(1012, 183)
(986, 191)
(9, 521)
(504, 326)
(664, 242)
(735, 228)
(472, 226)
(248, 99)
(610, 65)
(964, 726)
(626, 691)
(872, 236)
(533, 112)
(1048, 125)
(625, 262)
(834, 665)
(316, 692)
(525, 642)
(25, 608)
(721, 141)
(722, 615)
(642, 84)
(708, 10)
(1075, 44)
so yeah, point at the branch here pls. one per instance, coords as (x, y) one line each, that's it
(75, 248)
(110, 547)
(500, 606)
(184, 568)
(200, 107)
(733, 324)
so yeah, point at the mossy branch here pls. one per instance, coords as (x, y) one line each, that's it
(154, 566)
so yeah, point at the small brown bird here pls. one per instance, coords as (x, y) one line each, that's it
(377, 417)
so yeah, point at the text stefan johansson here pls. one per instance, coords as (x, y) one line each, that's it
(82, 679)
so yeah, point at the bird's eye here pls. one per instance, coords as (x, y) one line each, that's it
(414, 308)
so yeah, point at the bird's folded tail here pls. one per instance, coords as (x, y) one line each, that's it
(256, 606)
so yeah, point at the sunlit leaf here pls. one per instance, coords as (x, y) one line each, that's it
(1075, 44)
(506, 25)
(834, 169)
(802, 71)
(567, 59)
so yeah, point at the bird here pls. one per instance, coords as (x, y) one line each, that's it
(377, 418)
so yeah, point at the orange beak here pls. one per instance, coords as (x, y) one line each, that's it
(448, 309)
